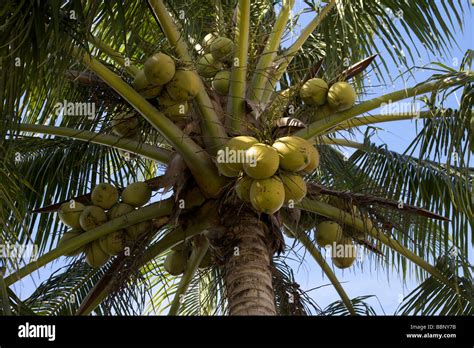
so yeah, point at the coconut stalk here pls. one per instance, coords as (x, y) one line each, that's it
(149, 212)
(236, 98)
(152, 152)
(260, 77)
(348, 219)
(114, 55)
(196, 159)
(326, 124)
(4, 293)
(100, 291)
(291, 52)
(201, 245)
(215, 134)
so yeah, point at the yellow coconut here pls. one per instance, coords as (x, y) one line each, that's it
(262, 161)
(70, 212)
(136, 194)
(92, 217)
(159, 69)
(177, 110)
(125, 124)
(242, 188)
(175, 262)
(66, 237)
(222, 49)
(327, 233)
(233, 154)
(267, 195)
(184, 86)
(314, 92)
(137, 230)
(207, 66)
(294, 153)
(113, 243)
(341, 96)
(344, 253)
(221, 82)
(208, 40)
(225, 170)
(104, 195)
(119, 209)
(95, 256)
(295, 187)
(314, 159)
(146, 89)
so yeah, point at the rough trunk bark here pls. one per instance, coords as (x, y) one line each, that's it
(247, 273)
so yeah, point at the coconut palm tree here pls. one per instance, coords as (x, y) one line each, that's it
(411, 211)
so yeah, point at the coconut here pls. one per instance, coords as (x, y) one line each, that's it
(225, 170)
(327, 233)
(113, 243)
(295, 187)
(159, 69)
(341, 96)
(136, 194)
(221, 82)
(125, 124)
(314, 92)
(184, 86)
(66, 237)
(242, 188)
(146, 89)
(176, 110)
(70, 212)
(267, 195)
(207, 66)
(294, 153)
(208, 40)
(104, 195)
(175, 262)
(314, 159)
(137, 230)
(262, 161)
(95, 256)
(119, 209)
(344, 254)
(222, 49)
(232, 154)
(92, 217)
(165, 100)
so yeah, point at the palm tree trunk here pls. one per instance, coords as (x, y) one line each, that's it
(248, 278)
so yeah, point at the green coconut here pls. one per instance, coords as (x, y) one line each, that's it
(208, 40)
(222, 49)
(137, 230)
(233, 154)
(136, 194)
(314, 92)
(113, 243)
(125, 124)
(225, 170)
(176, 110)
(295, 187)
(328, 233)
(165, 100)
(159, 69)
(175, 262)
(66, 237)
(344, 254)
(146, 89)
(92, 217)
(294, 153)
(267, 195)
(242, 188)
(95, 256)
(119, 209)
(263, 161)
(70, 212)
(341, 96)
(184, 86)
(207, 66)
(105, 195)
(221, 82)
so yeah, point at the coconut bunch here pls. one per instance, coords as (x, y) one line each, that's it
(214, 64)
(107, 204)
(268, 177)
(177, 260)
(338, 97)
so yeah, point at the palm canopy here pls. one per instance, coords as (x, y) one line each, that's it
(85, 51)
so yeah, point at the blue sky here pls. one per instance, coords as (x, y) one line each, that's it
(363, 279)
